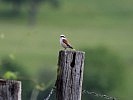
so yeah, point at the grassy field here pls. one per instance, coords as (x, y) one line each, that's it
(86, 23)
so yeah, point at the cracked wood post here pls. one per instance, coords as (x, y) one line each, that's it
(10, 90)
(69, 75)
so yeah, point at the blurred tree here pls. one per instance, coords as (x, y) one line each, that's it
(103, 71)
(34, 6)
(16, 5)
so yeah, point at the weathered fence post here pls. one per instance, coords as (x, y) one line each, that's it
(10, 90)
(70, 75)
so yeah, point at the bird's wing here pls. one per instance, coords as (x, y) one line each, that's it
(66, 42)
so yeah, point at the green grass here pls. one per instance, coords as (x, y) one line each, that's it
(86, 23)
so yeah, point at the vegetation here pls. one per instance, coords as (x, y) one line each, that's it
(101, 71)
(33, 51)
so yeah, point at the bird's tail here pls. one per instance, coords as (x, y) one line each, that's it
(70, 46)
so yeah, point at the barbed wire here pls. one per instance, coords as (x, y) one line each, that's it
(84, 92)
(98, 95)
(50, 94)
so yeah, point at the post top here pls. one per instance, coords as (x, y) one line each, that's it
(71, 51)
(6, 81)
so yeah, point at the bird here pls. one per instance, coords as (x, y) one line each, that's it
(64, 42)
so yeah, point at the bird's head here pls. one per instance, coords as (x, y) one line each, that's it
(62, 36)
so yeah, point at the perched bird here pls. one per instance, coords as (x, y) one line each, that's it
(64, 42)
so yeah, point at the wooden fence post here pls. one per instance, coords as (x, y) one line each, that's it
(10, 90)
(69, 75)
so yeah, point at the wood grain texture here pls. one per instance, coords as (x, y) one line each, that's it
(70, 75)
(10, 90)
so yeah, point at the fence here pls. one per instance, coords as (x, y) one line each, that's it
(68, 85)
(70, 76)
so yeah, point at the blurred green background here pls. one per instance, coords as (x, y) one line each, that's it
(29, 44)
